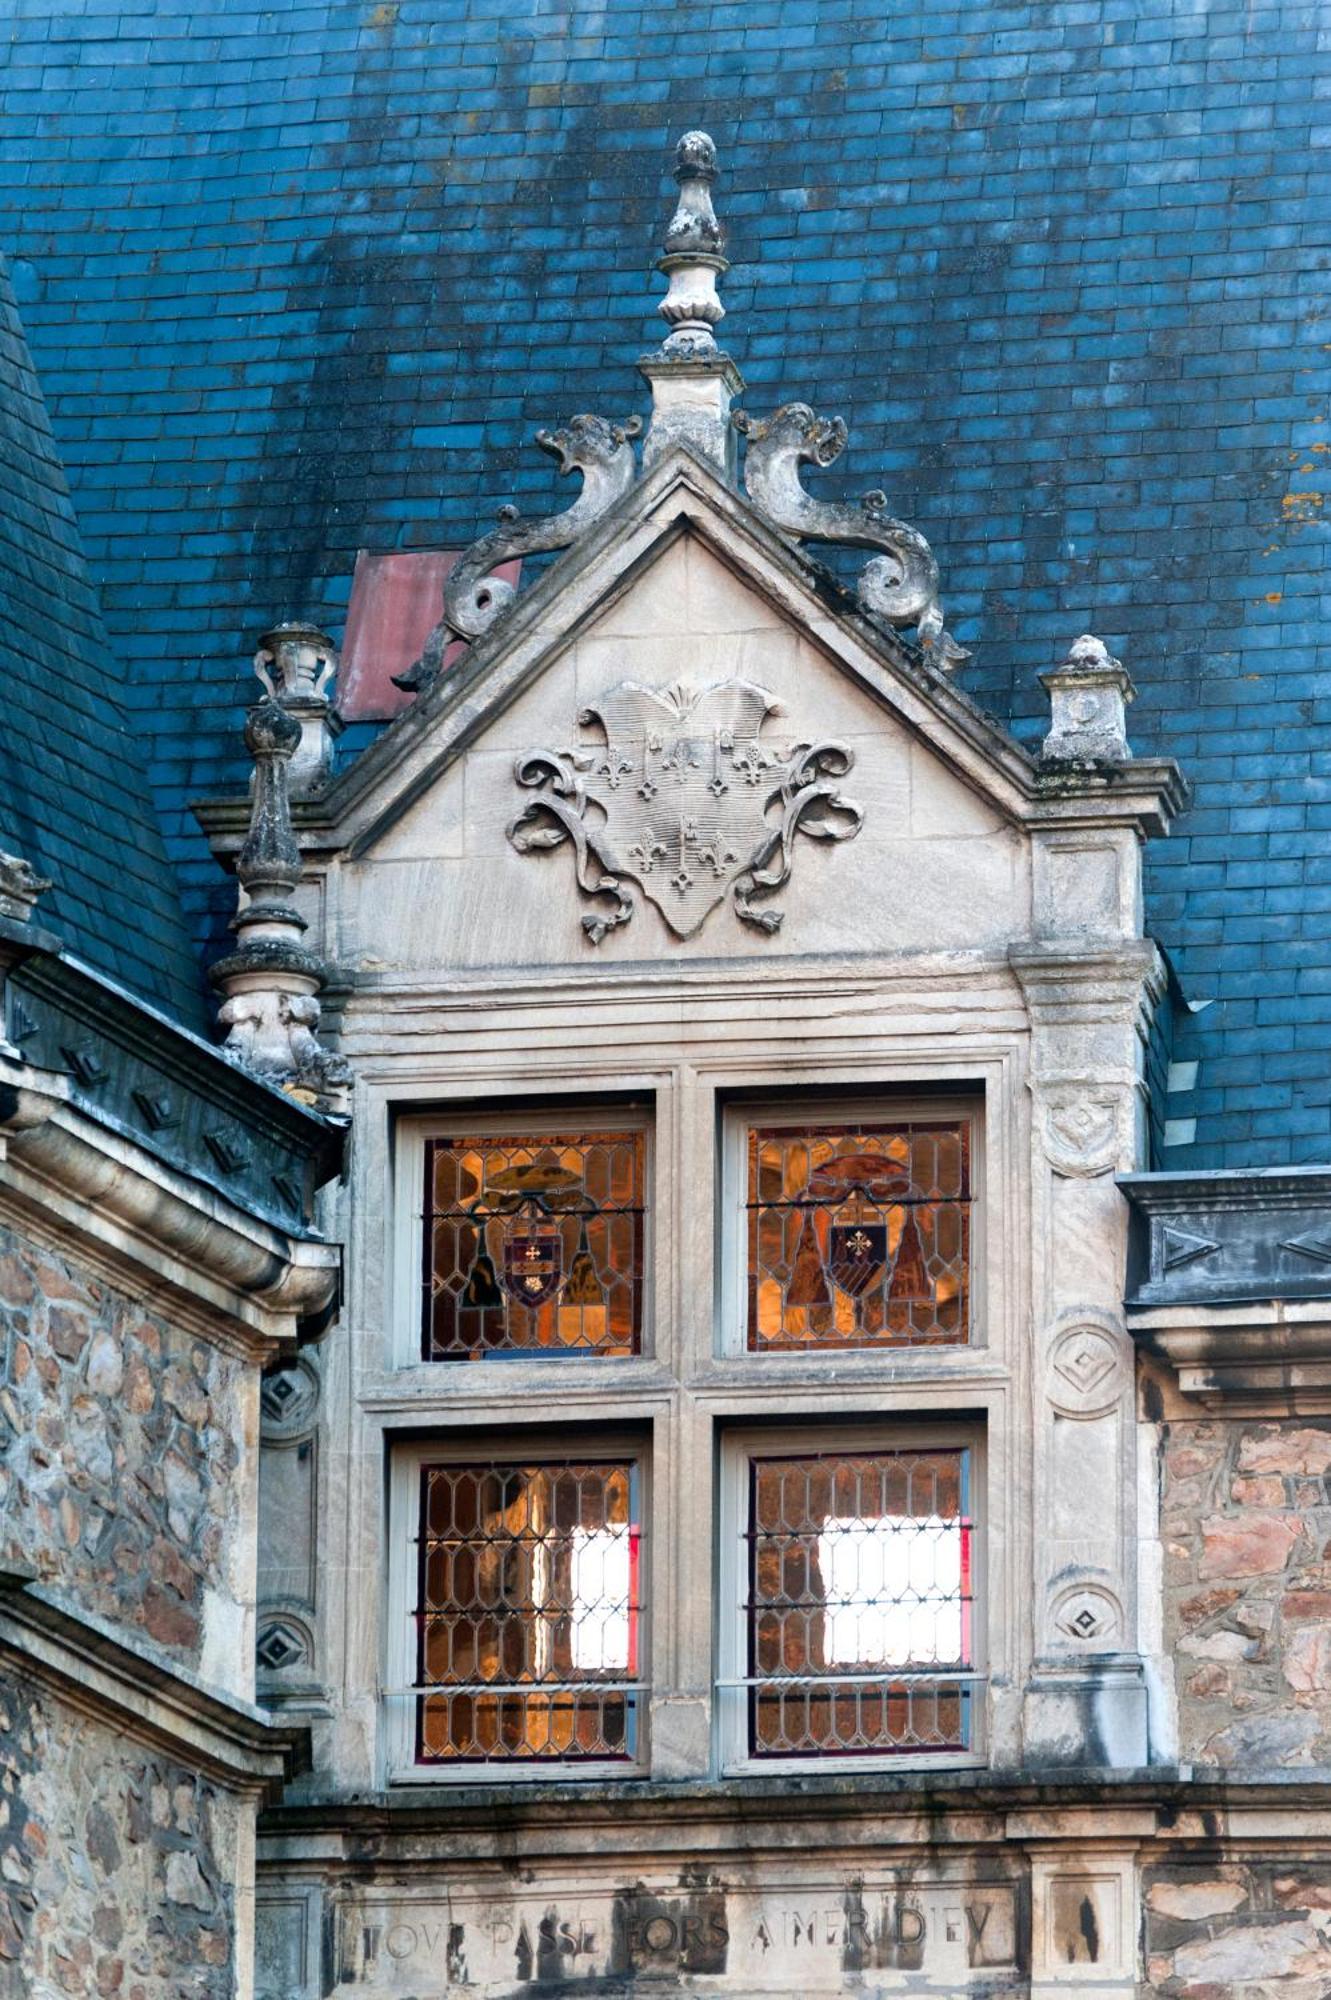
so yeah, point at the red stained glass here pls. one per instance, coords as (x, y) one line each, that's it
(533, 1244)
(858, 1235)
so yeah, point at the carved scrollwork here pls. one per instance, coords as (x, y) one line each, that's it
(900, 584)
(685, 791)
(474, 598)
(559, 815)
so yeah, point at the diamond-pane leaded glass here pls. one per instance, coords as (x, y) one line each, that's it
(859, 1604)
(533, 1245)
(528, 1612)
(858, 1235)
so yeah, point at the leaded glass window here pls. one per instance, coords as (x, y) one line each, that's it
(858, 1234)
(859, 1601)
(528, 1615)
(534, 1243)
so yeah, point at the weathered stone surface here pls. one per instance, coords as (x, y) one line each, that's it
(120, 1437)
(1252, 1545)
(117, 1867)
(1248, 1590)
(1194, 1900)
(1252, 1930)
(1287, 1449)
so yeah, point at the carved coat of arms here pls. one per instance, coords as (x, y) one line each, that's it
(686, 799)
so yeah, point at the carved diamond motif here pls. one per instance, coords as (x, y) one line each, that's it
(281, 1644)
(156, 1109)
(229, 1155)
(1085, 1362)
(288, 1396)
(1088, 1613)
(86, 1064)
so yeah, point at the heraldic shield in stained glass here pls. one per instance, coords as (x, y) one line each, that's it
(687, 800)
(858, 1235)
(533, 1245)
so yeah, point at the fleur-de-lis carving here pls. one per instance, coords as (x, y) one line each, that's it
(647, 852)
(613, 766)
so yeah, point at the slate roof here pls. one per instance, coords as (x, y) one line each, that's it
(73, 796)
(305, 279)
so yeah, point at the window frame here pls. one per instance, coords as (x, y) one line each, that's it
(738, 1446)
(411, 1135)
(738, 1118)
(397, 1705)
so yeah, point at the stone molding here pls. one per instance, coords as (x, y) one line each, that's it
(160, 1705)
(88, 1190)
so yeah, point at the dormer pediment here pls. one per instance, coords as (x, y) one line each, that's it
(688, 710)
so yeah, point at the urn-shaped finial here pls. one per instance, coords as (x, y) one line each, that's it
(296, 663)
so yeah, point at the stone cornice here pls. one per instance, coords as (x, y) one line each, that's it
(173, 1096)
(135, 1690)
(958, 1808)
(1229, 1281)
(86, 1189)
(1067, 981)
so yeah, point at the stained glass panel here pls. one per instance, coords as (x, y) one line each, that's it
(859, 1604)
(858, 1235)
(533, 1244)
(528, 1612)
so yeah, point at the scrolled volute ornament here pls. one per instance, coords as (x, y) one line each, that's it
(474, 598)
(901, 583)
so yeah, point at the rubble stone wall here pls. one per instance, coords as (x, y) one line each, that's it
(122, 1440)
(117, 1866)
(1246, 1523)
(1237, 1928)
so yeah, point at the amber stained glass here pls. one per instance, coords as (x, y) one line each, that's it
(528, 1612)
(859, 1604)
(858, 1235)
(533, 1245)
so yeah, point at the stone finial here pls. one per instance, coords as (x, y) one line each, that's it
(297, 663)
(20, 886)
(693, 382)
(272, 982)
(1088, 694)
(692, 258)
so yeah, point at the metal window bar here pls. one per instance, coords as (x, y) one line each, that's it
(528, 1612)
(859, 1606)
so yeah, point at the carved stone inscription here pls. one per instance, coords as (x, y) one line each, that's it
(686, 799)
(825, 1937)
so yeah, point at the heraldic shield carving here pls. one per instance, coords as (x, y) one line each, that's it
(686, 799)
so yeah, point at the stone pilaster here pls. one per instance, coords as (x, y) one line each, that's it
(1090, 1005)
